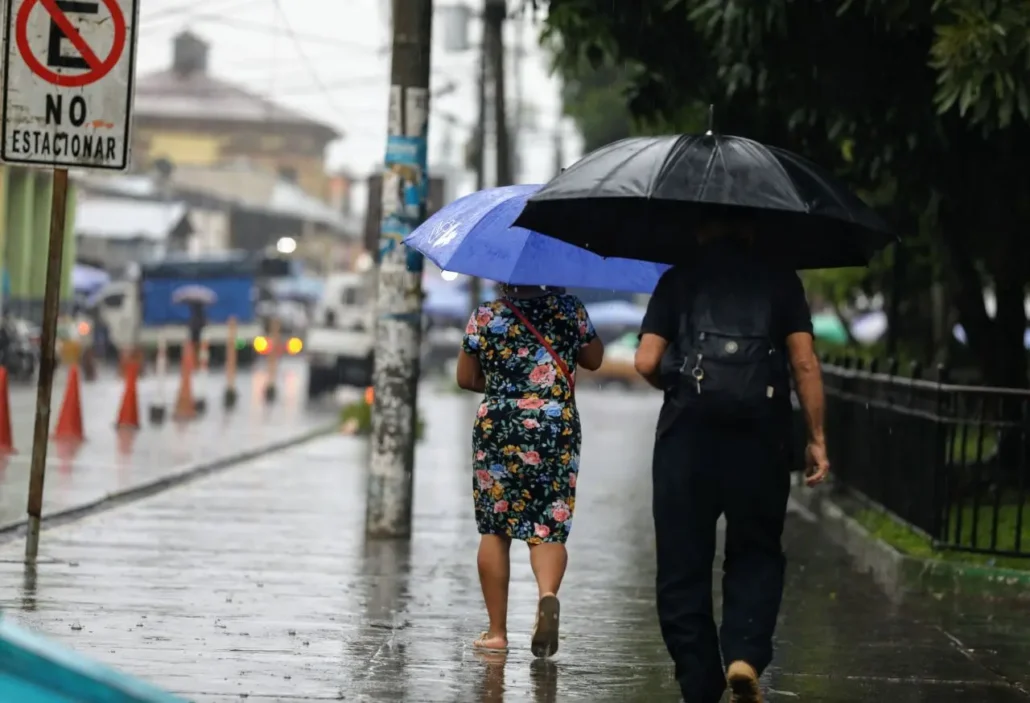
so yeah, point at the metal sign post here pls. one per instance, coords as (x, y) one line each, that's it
(67, 103)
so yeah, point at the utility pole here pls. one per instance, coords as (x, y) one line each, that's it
(399, 301)
(475, 283)
(494, 14)
(491, 112)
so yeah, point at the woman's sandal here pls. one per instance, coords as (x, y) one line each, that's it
(479, 645)
(545, 632)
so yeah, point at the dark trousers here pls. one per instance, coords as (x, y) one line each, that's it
(702, 470)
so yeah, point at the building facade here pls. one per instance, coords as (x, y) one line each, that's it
(186, 117)
(25, 242)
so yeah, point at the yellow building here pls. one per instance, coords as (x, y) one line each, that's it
(188, 117)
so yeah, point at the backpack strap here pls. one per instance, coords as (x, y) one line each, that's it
(562, 366)
(688, 292)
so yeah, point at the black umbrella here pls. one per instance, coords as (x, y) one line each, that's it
(644, 197)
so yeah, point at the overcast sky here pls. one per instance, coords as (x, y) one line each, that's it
(331, 60)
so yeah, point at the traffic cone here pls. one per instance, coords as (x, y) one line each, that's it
(185, 408)
(128, 414)
(69, 424)
(6, 436)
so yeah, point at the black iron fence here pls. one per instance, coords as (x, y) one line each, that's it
(950, 460)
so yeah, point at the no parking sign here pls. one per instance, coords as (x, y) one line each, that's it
(68, 82)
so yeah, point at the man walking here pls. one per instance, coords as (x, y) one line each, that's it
(720, 338)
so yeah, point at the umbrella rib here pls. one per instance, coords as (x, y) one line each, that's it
(703, 185)
(612, 172)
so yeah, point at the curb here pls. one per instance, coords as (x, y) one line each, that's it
(192, 472)
(900, 574)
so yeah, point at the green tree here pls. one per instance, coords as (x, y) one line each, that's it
(595, 99)
(924, 100)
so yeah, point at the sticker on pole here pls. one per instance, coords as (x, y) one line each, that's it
(68, 81)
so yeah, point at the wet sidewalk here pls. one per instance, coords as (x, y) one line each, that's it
(108, 462)
(256, 584)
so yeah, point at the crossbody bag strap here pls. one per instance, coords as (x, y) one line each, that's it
(562, 366)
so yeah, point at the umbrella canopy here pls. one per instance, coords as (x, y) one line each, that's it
(960, 334)
(616, 313)
(828, 326)
(452, 303)
(473, 235)
(869, 328)
(194, 293)
(645, 197)
(87, 279)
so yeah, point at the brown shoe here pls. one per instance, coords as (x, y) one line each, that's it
(743, 681)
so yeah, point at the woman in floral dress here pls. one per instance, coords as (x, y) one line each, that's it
(526, 442)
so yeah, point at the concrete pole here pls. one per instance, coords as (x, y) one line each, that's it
(399, 301)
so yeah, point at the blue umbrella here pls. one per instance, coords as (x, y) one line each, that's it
(87, 279)
(473, 235)
(447, 302)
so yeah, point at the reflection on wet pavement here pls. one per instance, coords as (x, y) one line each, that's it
(257, 583)
(110, 460)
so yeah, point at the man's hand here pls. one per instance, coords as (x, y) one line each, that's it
(817, 466)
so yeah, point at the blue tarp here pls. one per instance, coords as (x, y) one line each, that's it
(235, 298)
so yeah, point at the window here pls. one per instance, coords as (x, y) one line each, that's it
(114, 300)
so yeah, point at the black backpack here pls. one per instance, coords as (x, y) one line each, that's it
(730, 363)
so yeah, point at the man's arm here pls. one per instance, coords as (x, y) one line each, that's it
(808, 379)
(648, 358)
(657, 330)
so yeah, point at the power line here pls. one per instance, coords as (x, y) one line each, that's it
(175, 11)
(272, 30)
(304, 55)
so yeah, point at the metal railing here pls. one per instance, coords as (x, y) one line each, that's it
(950, 460)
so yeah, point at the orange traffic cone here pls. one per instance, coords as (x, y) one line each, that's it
(6, 437)
(128, 414)
(185, 408)
(69, 424)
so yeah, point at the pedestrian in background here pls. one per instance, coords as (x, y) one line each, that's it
(521, 352)
(720, 338)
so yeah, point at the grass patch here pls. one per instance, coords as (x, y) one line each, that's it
(359, 413)
(907, 541)
(979, 444)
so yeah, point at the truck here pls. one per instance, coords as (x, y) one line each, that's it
(340, 335)
(140, 311)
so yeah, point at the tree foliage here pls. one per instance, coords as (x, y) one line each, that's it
(922, 105)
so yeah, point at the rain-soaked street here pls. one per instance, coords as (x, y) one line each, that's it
(109, 462)
(257, 583)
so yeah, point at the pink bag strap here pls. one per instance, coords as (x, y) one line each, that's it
(562, 366)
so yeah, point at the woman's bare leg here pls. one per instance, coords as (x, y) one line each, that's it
(494, 573)
(548, 561)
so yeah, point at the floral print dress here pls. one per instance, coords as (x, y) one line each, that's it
(526, 438)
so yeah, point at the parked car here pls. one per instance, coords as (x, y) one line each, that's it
(617, 367)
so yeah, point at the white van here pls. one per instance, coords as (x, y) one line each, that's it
(341, 332)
